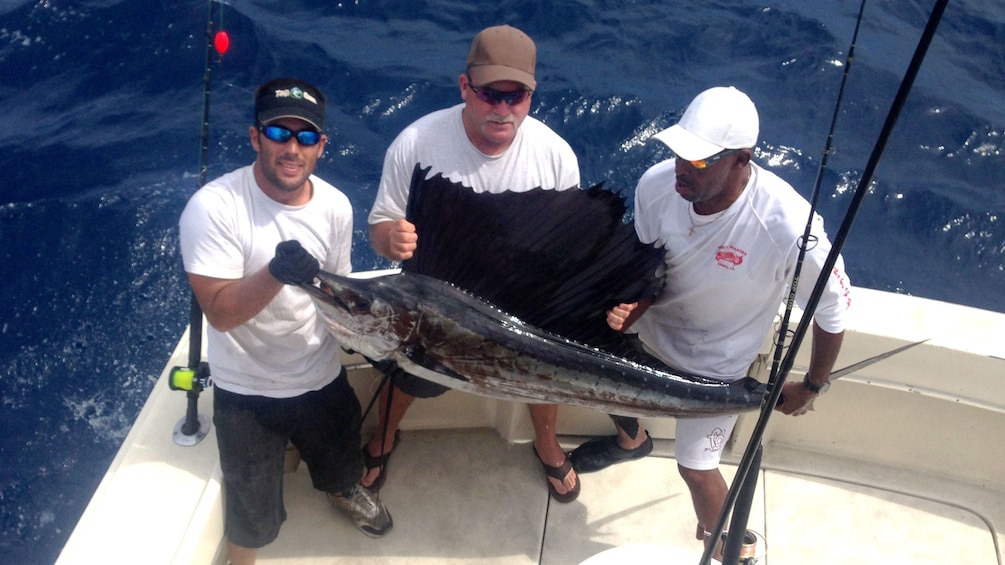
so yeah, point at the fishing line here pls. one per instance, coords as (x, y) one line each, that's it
(774, 391)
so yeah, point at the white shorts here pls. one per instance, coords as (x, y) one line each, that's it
(699, 441)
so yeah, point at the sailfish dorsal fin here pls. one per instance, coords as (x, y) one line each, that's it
(556, 259)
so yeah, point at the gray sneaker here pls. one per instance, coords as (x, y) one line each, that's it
(365, 509)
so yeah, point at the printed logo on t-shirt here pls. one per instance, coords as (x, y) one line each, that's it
(729, 257)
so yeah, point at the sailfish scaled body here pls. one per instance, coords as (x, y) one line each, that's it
(506, 297)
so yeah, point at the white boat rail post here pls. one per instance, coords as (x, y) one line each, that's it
(747, 471)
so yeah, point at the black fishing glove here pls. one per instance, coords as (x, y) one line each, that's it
(293, 264)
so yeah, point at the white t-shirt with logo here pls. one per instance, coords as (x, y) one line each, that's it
(728, 273)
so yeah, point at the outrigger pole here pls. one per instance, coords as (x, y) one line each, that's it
(195, 377)
(747, 471)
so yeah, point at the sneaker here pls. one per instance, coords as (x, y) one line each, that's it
(600, 453)
(365, 509)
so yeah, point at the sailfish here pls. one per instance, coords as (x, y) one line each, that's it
(506, 297)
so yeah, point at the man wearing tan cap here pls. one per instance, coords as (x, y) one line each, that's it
(490, 144)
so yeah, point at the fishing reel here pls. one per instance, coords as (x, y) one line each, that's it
(188, 379)
(191, 429)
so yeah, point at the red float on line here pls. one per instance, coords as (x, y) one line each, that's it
(221, 42)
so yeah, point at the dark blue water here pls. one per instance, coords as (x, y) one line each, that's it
(99, 148)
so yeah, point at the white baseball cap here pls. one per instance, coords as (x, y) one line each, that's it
(719, 118)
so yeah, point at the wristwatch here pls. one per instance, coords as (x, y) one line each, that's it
(813, 387)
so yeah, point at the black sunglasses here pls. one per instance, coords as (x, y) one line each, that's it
(494, 97)
(279, 134)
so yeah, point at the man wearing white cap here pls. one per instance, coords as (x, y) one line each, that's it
(732, 233)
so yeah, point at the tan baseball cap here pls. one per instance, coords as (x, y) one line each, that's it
(502, 53)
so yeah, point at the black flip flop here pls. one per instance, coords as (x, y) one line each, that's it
(379, 462)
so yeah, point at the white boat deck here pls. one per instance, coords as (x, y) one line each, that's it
(467, 496)
(900, 463)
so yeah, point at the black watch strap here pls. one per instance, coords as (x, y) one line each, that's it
(813, 387)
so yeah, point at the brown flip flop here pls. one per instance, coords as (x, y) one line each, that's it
(559, 473)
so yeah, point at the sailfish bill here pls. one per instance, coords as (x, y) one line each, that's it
(434, 330)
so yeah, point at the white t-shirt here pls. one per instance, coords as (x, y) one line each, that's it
(727, 277)
(230, 229)
(538, 157)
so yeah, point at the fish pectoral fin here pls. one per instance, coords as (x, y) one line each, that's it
(419, 356)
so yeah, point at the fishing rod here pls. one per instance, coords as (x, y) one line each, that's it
(745, 478)
(195, 376)
(753, 450)
(808, 239)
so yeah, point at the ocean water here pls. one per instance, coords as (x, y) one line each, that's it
(102, 113)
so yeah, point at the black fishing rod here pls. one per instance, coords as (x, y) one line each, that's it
(807, 240)
(195, 312)
(747, 480)
(744, 478)
(195, 376)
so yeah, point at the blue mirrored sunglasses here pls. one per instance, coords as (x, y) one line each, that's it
(494, 97)
(279, 134)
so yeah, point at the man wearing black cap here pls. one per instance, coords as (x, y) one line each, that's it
(245, 237)
(490, 144)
